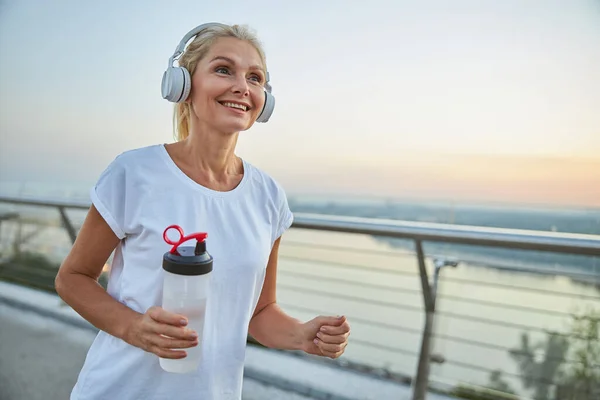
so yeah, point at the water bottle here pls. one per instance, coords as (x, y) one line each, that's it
(187, 271)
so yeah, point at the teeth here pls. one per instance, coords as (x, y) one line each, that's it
(234, 105)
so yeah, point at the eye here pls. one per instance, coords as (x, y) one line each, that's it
(222, 70)
(256, 78)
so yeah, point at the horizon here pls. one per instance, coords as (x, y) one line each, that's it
(469, 102)
(79, 190)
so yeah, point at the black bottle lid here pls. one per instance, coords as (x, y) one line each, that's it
(187, 260)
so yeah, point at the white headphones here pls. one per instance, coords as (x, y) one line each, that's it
(176, 81)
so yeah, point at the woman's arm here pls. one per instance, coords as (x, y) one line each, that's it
(270, 326)
(77, 284)
(273, 328)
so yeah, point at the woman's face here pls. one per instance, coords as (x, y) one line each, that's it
(227, 86)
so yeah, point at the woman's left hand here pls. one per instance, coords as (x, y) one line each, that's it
(326, 336)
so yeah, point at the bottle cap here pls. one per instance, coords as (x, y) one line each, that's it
(187, 260)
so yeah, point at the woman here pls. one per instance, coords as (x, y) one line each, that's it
(200, 184)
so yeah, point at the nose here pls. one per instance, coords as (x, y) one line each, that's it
(240, 85)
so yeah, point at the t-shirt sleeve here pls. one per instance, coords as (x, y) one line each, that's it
(285, 217)
(109, 197)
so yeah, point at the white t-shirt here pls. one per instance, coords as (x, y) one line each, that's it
(140, 194)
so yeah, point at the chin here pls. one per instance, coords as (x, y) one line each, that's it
(233, 126)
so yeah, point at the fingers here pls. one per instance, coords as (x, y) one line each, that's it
(164, 334)
(332, 321)
(342, 329)
(338, 339)
(165, 353)
(331, 347)
(175, 332)
(163, 324)
(158, 314)
(169, 343)
(332, 337)
(331, 350)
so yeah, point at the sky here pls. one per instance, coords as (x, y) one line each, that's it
(480, 100)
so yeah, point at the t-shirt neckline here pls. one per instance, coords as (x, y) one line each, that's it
(164, 154)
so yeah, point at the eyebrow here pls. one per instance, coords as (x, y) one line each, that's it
(229, 60)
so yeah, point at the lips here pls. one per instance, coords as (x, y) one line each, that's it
(235, 105)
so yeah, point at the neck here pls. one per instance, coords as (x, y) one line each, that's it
(211, 152)
(209, 157)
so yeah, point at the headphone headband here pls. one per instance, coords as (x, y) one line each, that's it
(181, 46)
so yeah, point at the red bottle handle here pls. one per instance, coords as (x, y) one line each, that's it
(201, 236)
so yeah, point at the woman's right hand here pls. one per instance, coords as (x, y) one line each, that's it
(159, 331)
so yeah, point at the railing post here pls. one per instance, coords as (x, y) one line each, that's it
(422, 377)
(67, 224)
(7, 217)
(429, 296)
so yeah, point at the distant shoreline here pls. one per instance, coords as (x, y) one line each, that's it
(444, 202)
(81, 189)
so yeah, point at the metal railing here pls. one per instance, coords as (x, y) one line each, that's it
(418, 233)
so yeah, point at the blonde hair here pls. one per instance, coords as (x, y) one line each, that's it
(195, 52)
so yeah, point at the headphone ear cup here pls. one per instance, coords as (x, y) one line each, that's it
(176, 84)
(268, 108)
